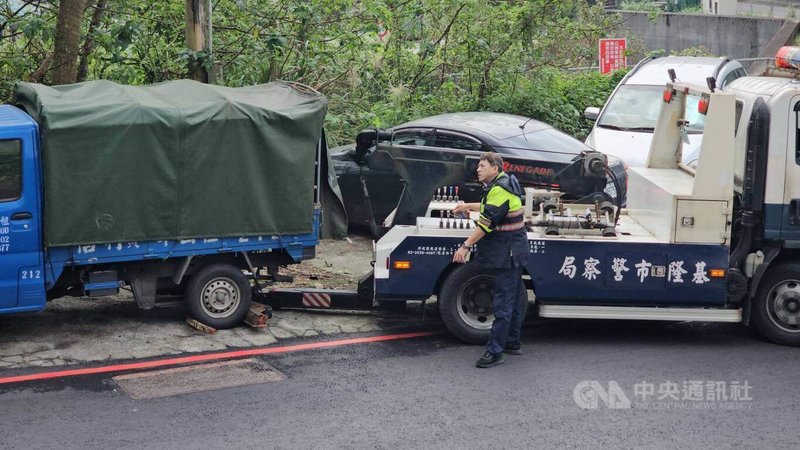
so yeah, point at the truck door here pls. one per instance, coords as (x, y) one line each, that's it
(21, 259)
(790, 229)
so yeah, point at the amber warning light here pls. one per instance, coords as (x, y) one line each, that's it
(402, 265)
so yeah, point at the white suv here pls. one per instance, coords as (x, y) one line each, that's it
(624, 127)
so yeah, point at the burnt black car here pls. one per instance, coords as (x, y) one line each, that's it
(506, 134)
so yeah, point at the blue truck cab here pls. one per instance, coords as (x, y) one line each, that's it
(216, 275)
(22, 274)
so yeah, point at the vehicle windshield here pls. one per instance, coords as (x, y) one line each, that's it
(544, 140)
(635, 108)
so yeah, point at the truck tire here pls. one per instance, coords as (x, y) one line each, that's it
(465, 303)
(776, 307)
(219, 296)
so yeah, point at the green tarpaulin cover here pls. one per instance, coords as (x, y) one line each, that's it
(175, 160)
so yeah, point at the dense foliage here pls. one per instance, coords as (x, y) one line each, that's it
(380, 62)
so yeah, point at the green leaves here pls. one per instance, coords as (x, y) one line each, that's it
(380, 62)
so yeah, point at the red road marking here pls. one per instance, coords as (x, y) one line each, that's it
(210, 357)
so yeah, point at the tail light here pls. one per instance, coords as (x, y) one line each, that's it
(702, 105)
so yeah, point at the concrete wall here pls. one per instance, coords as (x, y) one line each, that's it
(731, 36)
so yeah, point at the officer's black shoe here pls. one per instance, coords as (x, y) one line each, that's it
(490, 360)
(513, 348)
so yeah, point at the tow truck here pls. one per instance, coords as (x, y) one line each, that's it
(718, 242)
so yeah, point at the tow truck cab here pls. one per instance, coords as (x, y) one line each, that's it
(770, 107)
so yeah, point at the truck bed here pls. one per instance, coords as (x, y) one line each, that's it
(60, 257)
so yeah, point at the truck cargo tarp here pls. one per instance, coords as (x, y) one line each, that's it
(175, 160)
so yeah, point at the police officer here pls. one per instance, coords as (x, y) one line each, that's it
(502, 251)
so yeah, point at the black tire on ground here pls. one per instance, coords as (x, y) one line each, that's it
(776, 307)
(465, 303)
(219, 295)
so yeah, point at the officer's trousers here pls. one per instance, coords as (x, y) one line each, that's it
(509, 304)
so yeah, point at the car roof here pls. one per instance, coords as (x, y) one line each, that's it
(765, 86)
(689, 69)
(497, 125)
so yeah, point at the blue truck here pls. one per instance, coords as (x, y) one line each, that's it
(47, 250)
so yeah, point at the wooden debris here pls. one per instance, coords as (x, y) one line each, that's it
(256, 317)
(200, 327)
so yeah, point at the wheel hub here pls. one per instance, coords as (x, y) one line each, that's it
(475, 302)
(480, 302)
(220, 296)
(784, 306)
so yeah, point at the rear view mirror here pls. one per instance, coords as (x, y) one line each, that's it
(365, 141)
(591, 113)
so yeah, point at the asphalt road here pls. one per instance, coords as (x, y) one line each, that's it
(426, 393)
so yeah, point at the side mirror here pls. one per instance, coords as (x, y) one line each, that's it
(591, 113)
(711, 82)
(365, 142)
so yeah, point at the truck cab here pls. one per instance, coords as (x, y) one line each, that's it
(22, 275)
(780, 97)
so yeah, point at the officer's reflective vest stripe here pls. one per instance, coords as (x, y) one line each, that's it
(514, 221)
(495, 201)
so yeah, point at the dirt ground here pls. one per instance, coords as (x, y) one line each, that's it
(339, 265)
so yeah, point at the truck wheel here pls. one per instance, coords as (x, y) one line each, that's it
(465, 303)
(219, 296)
(776, 307)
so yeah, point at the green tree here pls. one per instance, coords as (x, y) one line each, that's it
(380, 62)
(66, 41)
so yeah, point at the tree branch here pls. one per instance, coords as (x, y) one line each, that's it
(426, 52)
(88, 43)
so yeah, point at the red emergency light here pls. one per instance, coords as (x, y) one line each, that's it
(702, 105)
(668, 95)
(788, 58)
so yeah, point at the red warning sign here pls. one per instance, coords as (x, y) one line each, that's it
(612, 55)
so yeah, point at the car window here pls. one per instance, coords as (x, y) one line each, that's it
(10, 170)
(697, 121)
(412, 136)
(459, 141)
(732, 76)
(636, 108)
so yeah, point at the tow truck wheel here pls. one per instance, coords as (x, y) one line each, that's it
(219, 296)
(465, 303)
(776, 308)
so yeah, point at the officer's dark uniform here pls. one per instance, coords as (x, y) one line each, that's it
(503, 252)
